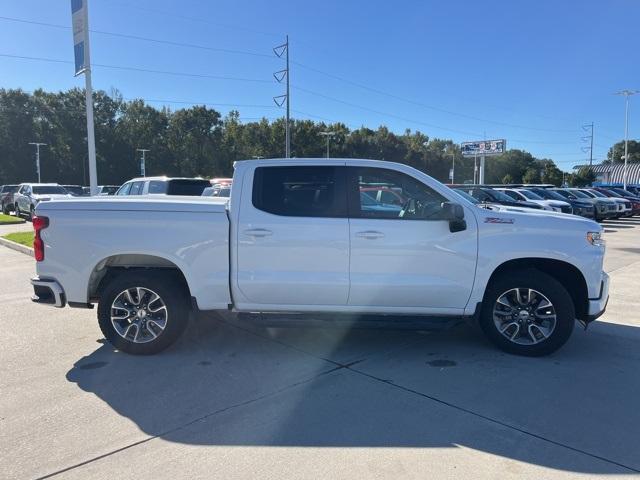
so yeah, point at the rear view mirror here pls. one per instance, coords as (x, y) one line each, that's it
(454, 213)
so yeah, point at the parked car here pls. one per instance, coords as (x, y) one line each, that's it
(495, 206)
(583, 208)
(296, 237)
(489, 195)
(164, 186)
(602, 209)
(76, 190)
(105, 190)
(7, 198)
(522, 194)
(31, 194)
(621, 194)
(623, 207)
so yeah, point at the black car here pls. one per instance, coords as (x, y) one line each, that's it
(488, 195)
(580, 207)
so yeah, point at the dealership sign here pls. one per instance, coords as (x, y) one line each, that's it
(483, 148)
(79, 23)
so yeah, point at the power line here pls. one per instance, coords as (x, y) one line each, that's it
(143, 70)
(144, 39)
(423, 105)
(316, 70)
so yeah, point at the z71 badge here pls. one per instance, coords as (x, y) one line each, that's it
(498, 220)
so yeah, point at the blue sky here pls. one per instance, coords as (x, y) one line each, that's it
(529, 71)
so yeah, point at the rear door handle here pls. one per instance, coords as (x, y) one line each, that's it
(258, 232)
(370, 234)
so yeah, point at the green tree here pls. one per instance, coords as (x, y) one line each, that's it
(582, 178)
(507, 179)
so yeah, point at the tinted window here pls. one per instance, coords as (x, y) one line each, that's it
(513, 195)
(187, 187)
(299, 191)
(136, 188)
(124, 189)
(9, 188)
(530, 195)
(413, 200)
(50, 190)
(109, 190)
(156, 186)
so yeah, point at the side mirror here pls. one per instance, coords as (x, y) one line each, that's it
(454, 213)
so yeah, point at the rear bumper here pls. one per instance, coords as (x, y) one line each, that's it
(48, 292)
(597, 306)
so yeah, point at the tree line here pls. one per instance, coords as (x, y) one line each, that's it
(199, 141)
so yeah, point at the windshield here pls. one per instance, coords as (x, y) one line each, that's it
(187, 187)
(466, 196)
(621, 191)
(549, 194)
(74, 189)
(596, 193)
(503, 197)
(50, 190)
(530, 195)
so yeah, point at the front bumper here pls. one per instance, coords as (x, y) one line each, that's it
(597, 306)
(48, 292)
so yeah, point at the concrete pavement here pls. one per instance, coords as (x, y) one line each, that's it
(237, 400)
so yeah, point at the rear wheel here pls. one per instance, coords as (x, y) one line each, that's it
(143, 313)
(527, 313)
(5, 209)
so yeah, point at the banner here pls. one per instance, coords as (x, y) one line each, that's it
(79, 23)
(483, 148)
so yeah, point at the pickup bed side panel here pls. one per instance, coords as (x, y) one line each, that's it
(197, 243)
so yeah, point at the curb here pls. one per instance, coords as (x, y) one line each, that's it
(16, 246)
(12, 223)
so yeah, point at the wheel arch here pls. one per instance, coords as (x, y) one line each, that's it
(110, 267)
(567, 274)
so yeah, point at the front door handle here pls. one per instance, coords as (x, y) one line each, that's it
(258, 232)
(370, 234)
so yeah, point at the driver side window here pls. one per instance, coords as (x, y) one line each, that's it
(388, 194)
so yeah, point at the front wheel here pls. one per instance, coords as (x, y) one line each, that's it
(527, 313)
(143, 313)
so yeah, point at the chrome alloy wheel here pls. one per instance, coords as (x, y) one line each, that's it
(139, 315)
(524, 316)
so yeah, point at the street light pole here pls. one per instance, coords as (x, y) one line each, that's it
(626, 94)
(328, 135)
(143, 164)
(38, 145)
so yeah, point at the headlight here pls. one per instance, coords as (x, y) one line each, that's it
(595, 238)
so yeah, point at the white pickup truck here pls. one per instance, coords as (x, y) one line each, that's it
(311, 236)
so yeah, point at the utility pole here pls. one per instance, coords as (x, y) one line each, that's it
(143, 163)
(588, 138)
(38, 145)
(80, 27)
(453, 166)
(279, 100)
(626, 94)
(328, 135)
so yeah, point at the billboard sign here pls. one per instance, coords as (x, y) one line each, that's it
(79, 26)
(483, 148)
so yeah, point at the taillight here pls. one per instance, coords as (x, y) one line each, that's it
(39, 224)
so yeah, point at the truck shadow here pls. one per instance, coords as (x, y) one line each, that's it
(226, 383)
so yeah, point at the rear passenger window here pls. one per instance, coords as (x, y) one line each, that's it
(156, 186)
(300, 191)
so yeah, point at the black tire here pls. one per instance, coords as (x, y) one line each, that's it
(546, 285)
(171, 292)
(5, 209)
(32, 213)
